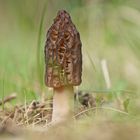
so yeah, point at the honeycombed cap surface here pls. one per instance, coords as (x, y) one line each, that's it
(63, 55)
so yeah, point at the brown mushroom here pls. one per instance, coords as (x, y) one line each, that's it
(63, 59)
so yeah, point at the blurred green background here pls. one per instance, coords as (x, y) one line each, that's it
(109, 29)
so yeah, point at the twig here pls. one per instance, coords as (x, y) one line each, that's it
(8, 98)
(107, 108)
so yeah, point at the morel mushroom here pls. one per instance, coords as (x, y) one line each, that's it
(63, 64)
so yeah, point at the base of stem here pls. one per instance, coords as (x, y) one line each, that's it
(63, 104)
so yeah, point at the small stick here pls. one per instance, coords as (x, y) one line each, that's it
(8, 99)
(106, 73)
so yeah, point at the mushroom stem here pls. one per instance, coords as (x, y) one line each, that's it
(63, 103)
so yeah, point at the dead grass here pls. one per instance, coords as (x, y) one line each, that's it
(32, 121)
(30, 114)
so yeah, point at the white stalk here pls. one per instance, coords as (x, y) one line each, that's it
(63, 104)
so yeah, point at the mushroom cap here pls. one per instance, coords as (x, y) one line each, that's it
(63, 55)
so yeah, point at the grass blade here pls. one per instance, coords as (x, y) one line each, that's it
(39, 57)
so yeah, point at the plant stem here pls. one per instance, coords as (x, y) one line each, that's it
(63, 104)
